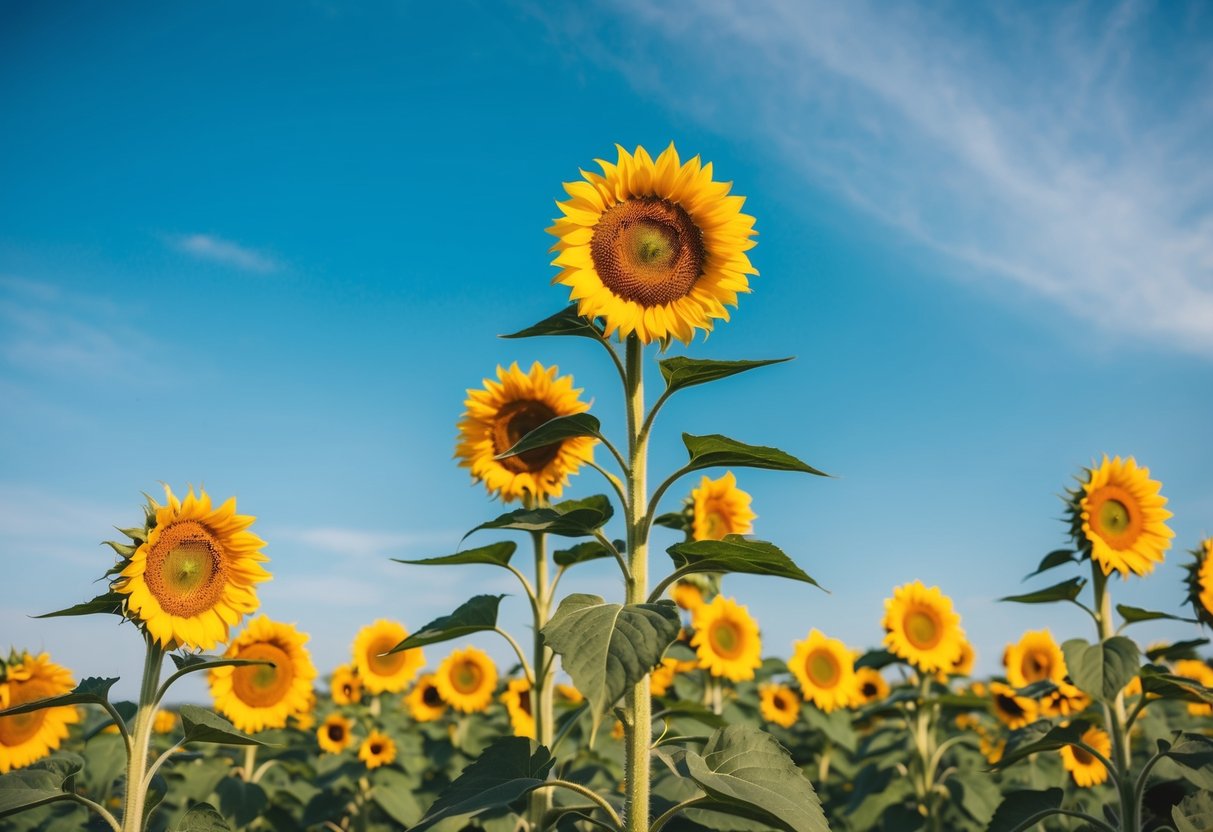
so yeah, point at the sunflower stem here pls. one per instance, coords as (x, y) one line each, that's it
(541, 689)
(1114, 711)
(250, 762)
(145, 718)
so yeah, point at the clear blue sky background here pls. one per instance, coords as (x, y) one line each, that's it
(267, 247)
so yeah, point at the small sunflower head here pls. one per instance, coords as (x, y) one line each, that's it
(1117, 518)
(1199, 580)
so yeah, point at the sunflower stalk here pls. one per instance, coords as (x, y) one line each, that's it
(1114, 711)
(541, 689)
(145, 718)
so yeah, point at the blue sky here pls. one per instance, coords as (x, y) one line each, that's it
(267, 249)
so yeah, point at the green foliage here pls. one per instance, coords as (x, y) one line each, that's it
(1132, 615)
(553, 431)
(202, 725)
(716, 451)
(570, 518)
(1064, 591)
(1058, 557)
(202, 818)
(1022, 808)
(681, 372)
(1101, 670)
(1194, 813)
(475, 615)
(497, 554)
(564, 322)
(736, 553)
(111, 603)
(582, 552)
(91, 691)
(41, 783)
(1040, 736)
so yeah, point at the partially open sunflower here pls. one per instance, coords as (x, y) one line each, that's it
(921, 627)
(345, 687)
(517, 700)
(379, 670)
(825, 669)
(378, 749)
(27, 738)
(872, 686)
(779, 704)
(1084, 767)
(1118, 517)
(466, 679)
(655, 248)
(726, 640)
(260, 696)
(1013, 710)
(1034, 658)
(1200, 581)
(425, 701)
(720, 508)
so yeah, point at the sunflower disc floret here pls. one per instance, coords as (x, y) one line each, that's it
(1117, 517)
(466, 679)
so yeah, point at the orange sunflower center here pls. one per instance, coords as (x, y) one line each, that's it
(1114, 516)
(384, 665)
(515, 420)
(922, 629)
(467, 677)
(186, 570)
(260, 685)
(822, 668)
(1036, 666)
(431, 697)
(726, 639)
(15, 730)
(717, 525)
(647, 250)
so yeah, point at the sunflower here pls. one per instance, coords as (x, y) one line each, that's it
(778, 704)
(720, 508)
(921, 627)
(425, 702)
(653, 248)
(1200, 672)
(687, 595)
(335, 733)
(1034, 658)
(825, 669)
(992, 748)
(260, 696)
(378, 749)
(726, 639)
(190, 580)
(1119, 515)
(663, 676)
(517, 701)
(1013, 710)
(164, 721)
(28, 737)
(507, 410)
(569, 694)
(1200, 581)
(964, 665)
(466, 680)
(1064, 700)
(345, 687)
(1084, 767)
(382, 673)
(871, 685)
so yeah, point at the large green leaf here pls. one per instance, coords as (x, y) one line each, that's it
(1132, 615)
(736, 554)
(1194, 752)
(1194, 813)
(570, 518)
(393, 792)
(508, 769)
(91, 691)
(608, 648)
(473, 616)
(564, 322)
(977, 794)
(1039, 736)
(497, 554)
(555, 430)
(1064, 591)
(1159, 682)
(582, 552)
(241, 801)
(1101, 670)
(203, 726)
(1176, 651)
(1020, 807)
(747, 767)
(1056, 558)
(202, 817)
(110, 603)
(37, 784)
(680, 372)
(716, 451)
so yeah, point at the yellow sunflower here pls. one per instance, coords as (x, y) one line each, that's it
(1200, 672)
(345, 687)
(507, 410)
(1034, 658)
(466, 679)
(720, 508)
(871, 685)
(1083, 766)
(1013, 710)
(164, 722)
(687, 595)
(663, 676)
(259, 696)
(569, 694)
(778, 704)
(964, 665)
(380, 671)
(1066, 700)
(26, 738)
(191, 578)
(726, 639)
(825, 669)
(921, 627)
(1121, 515)
(653, 248)
(335, 734)
(378, 749)
(1203, 589)
(517, 701)
(425, 702)
(991, 748)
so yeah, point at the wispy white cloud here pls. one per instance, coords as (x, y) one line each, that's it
(363, 543)
(225, 252)
(1062, 149)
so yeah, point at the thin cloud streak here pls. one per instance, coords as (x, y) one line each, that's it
(225, 252)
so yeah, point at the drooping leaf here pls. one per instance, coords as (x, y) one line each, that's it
(608, 648)
(1064, 591)
(1018, 807)
(203, 726)
(570, 518)
(582, 552)
(744, 766)
(1132, 615)
(716, 451)
(680, 372)
(1039, 736)
(553, 431)
(497, 554)
(108, 604)
(1175, 652)
(736, 554)
(1194, 752)
(202, 817)
(508, 769)
(1165, 685)
(564, 322)
(37, 784)
(1056, 558)
(1194, 813)
(473, 616)
(1101, 670)
(91, 691)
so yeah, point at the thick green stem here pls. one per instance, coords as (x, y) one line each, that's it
(1114, 711)
(136, 765)
(541, 690)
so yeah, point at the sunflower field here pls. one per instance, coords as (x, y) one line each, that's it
(653, 705)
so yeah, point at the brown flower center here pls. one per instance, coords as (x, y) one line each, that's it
(647, 250)
(186, 570)
(388, 665)
(1081, 755)
(515, 420)
(524, 702)
(1114, 516)
(260, 685)
(336, 732)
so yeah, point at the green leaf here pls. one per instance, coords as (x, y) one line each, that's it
(242, 802)
(473, 616)
(736, 554)
(202, 817)
(393, 792)
(716, 451)
(680, 372)
(1194, 813)
(582, 552)
(1195, 753)
(564, 322)
(1173, 686)
(1102, 670)
(608, 648)
(1064, 591)
(876, 659)
(1039, 736)
(676, 520)
(1056, 558)
(834, 726)
(203, 726)
(91, 691)
(1132, 615)
(508, 769)
(1020, 806)
(1178, 650)
(553, 431)
(110, 603)
(746, 767)
(40, 783)
(977, 794)
(497, 554)
(570, 518)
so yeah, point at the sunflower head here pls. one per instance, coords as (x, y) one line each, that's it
(335, 734)
(779, 704)
(1066, 700)
(345, 686)
(663, 676)
(1200, 581)
(189, 573)
(568, 694)
(870, 685)
(424, 701)
(466, 679)
(1200, 672)
(506, 410)
(1118, 520)
(259, 696)
(378, 749)
(517, 701)
(1034, 658)
(27, 738)
(379, 670)
(1013, 710)
(726, 640)
(688, 595)
(720, 508)
(164, 721)
(921, 627)
(964, 665)
(654, 248)
(1084, 767)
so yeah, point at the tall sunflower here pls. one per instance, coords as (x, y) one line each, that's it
(378, 749)
(1200, 581)
(191, 577)
(517, 701)
(871, 685)
(507, 410)
(1118, 517)
(380, 671)
(655, 248)
(1034, 658)
(424, 701)
(260, 696)
(1084, 767)
(726, 639)
(921, 627)
(825, 669)
(720, 508)
(466, 679)
(964, 665)
(335, 734)
(778, 704)
(345, 686)
(27, 738)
